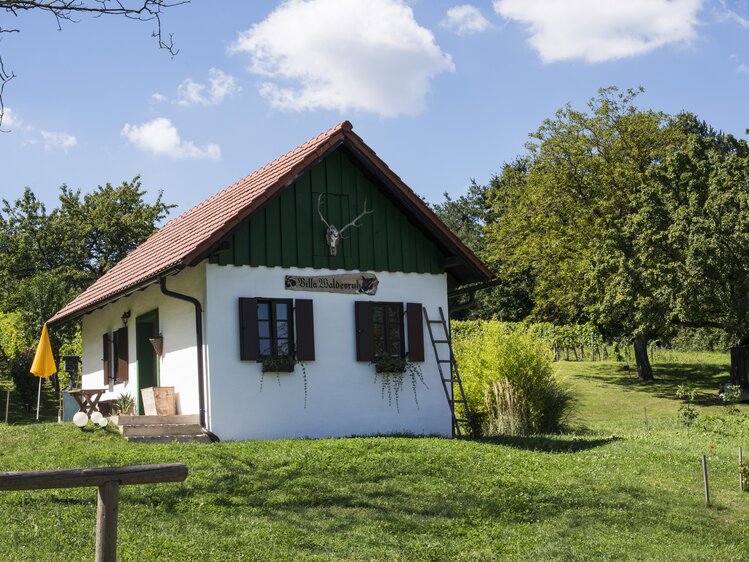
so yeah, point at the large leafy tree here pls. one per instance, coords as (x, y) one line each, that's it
(108, 223)
(46, 258)
(468, 216)
(80, 239)
(705, 188)
(570, 223)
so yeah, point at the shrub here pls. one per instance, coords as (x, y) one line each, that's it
(687, 412)
(509, 380)
(731, 397)
(25, 383)
(701, 339)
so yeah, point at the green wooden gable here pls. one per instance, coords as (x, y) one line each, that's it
(288, 232)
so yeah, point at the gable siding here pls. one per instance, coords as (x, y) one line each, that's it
(288, 232)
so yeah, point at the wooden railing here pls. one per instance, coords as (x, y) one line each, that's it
(108, 480)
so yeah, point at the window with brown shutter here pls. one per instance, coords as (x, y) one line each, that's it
(305, 330)
(379, 330)
(364, 340)
(415, 319)
(122, 365)
(275, 325)
(266, 328)
(248, 330)
(105, 358)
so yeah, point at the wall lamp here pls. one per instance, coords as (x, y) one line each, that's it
(125, 317)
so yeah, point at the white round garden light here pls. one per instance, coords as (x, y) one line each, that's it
(96, 416)
(80, 419)
(102, 421)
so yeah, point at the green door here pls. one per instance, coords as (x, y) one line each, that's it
(146, 327)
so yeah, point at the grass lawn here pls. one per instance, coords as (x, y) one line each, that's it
(606, 490)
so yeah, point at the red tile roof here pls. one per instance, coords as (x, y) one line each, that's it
(185, 240)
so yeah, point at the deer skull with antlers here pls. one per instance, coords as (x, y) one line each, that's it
(333, 235)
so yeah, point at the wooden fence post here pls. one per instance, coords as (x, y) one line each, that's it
(704, 476)
(108, 480)
(106, 522)
(741, 475)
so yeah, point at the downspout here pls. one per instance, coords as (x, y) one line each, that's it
(199, 343)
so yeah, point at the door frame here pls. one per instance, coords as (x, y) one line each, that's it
(150, 318)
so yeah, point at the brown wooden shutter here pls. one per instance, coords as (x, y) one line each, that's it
(305, 330)
(105, 358)
(415, 319)
(364, 336)
(248, 335)
(122, 361)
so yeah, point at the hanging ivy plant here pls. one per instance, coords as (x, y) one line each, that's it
(282, 364)
(392, 372)
(390, 364)
(278, 363)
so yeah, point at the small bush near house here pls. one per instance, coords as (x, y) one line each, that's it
(510, 384)
(25, 383)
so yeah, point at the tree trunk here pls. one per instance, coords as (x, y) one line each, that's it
(644, 370)
(56, 383)
(740, 366)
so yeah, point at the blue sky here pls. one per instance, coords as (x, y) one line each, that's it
(443, 91)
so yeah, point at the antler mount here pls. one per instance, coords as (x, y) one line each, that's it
(333, 234)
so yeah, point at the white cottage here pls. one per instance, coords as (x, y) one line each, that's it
(313, 269)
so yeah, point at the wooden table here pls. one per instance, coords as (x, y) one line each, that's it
(88, 400)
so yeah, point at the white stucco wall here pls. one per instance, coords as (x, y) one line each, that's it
(178, 364)
(343, 397)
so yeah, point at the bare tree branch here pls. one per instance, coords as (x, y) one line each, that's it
(5, 77)
(67, 10)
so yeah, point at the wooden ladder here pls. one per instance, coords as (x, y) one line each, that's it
(452, 378)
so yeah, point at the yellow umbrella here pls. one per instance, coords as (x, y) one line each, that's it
(43, 365)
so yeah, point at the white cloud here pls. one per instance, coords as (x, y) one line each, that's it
(157, 97)
(10, 119)
(12, 122)
(30, 135)
(58, 140)
(191, 93)
(465, 20)
(219, 86)
(162, 138)
(368, 55)
(741, 68)
(723, 13)
(601, 30)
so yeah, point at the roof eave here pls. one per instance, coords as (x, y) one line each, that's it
(64, 318)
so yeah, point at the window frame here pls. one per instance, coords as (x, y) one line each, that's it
(272, 320)
(401, 339)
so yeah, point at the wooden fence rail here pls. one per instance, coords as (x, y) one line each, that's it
(108, 480)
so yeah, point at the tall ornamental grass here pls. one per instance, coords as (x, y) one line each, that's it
(509, 380)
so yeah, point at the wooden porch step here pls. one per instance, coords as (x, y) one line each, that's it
(163, 429)
(154, 420)
(169, 439)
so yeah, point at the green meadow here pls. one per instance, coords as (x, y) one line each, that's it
(607, 489)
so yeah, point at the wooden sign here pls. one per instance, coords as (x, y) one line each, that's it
(350, 283)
